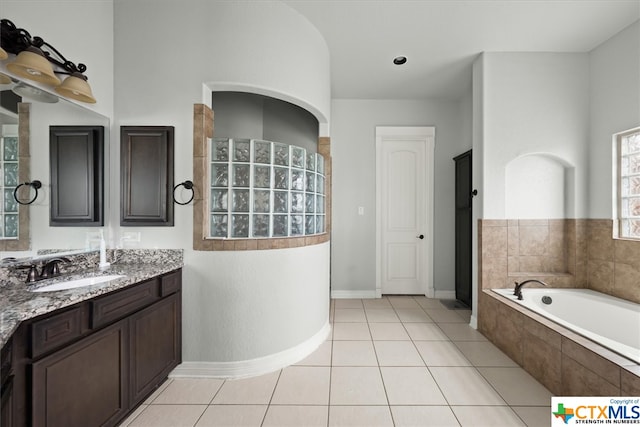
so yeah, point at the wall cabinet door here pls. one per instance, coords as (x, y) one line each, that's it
(84, 384)
(76, 156)
(146, 168)
(155, 347)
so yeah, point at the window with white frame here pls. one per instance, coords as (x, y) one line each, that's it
(628, 160)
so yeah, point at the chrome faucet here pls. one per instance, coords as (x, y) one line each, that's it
(517, 291)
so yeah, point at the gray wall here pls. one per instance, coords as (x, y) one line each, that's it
(247, 115)
(353, 150)
(615, 107)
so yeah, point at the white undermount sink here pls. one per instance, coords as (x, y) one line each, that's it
(78, 283)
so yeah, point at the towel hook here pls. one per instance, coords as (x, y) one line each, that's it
(35, 184)
(189, 186)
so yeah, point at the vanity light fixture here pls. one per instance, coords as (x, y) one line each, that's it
(33, 93)
(76, 87)
(3, 54)
(33, 65)
(39, 61)
(5, 80)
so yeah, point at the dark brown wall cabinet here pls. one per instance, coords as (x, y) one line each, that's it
(93, 363)
(76, 156)
(146, 168)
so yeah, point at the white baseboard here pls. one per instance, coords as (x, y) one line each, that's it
(377, 294)
(253, 367)
(353, 294)
(474, 321)
(445, 294)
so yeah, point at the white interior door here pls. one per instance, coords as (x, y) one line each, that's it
(404, 210)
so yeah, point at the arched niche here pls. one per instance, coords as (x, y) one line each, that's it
(539, 186)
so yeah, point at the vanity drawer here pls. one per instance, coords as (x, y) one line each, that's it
(170, 283)
(109, 308)
(56, 331)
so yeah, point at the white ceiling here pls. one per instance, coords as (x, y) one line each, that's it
(441, 38)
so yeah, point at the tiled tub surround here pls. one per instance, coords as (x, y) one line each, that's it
(565, 362)
(515, 250)
(17, 303)
(588, 313)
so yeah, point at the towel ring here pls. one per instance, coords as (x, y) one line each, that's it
(35, 184)
(189, 186)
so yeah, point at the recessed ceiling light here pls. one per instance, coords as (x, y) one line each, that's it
(399, 60)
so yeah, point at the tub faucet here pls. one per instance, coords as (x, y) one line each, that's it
(517, 291)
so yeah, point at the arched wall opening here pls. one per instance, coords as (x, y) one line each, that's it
(539, 186)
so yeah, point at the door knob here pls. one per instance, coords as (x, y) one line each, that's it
(421, 236)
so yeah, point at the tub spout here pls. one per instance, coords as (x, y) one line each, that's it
(517, 291)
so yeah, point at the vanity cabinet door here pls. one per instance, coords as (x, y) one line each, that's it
(77, 175)
(6, 403)
(155, 345)
(146, 175)
(84, 384)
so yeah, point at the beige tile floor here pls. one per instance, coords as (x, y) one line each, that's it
(395, 361)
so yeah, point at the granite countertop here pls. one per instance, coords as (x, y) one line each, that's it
(18, 303)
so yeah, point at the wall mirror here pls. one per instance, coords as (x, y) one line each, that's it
(41, 116)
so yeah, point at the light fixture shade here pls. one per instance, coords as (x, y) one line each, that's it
(3, 54)
(4, 79)
(32, 64)
(76, 87)
(33, 93)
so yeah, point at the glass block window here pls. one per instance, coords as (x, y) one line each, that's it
(263, 189)
(9, 181)
(629, 184)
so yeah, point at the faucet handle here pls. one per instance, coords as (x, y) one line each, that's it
(32, 274)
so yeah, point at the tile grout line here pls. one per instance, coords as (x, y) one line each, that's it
(273, 392)
(429, 370)
(331, 367)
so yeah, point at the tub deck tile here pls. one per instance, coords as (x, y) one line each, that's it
(578, 380)
(630, 380)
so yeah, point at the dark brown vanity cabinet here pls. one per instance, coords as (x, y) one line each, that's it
(6, 385)
(153, 355)
(84, 384)
(91, 364)
(146, 175)
(76, 156)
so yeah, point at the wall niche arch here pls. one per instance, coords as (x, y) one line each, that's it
(539, 186)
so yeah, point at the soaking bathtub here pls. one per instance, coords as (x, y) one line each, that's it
(611, 322)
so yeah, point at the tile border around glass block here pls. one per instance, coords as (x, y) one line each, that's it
(244, 172)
